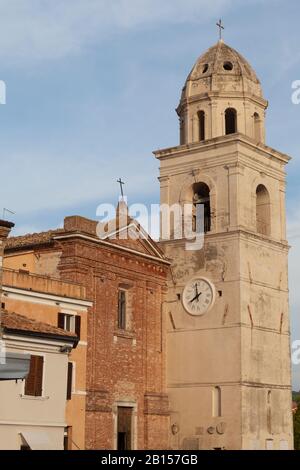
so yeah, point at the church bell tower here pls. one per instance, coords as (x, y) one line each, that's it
(227, 310)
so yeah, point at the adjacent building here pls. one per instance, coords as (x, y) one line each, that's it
(32, 411)
(62, 305)
(13, 366)
(36, 371)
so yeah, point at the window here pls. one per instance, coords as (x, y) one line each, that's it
(205, 68)
(263, 210)
(227, 66)
(24, 447)
(122, 310)
(124, 428)
(201, 117)
(283, 445)
(201, 196)
(269, 444)
(34, 380)
(70, 323)
(70, 380)
(257, 135)
(68, 438)
(216, 402)
(230, 121)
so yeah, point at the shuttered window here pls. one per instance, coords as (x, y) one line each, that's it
(77, 325)
(70, 380)
(70, 323)
(61, 321)
(34, 380)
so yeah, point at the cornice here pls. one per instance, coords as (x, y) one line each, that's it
(221, 142)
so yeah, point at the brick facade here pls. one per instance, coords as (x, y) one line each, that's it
(124, 367)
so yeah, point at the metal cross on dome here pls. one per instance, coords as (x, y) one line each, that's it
(220, 26)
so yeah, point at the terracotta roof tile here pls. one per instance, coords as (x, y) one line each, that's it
(32, 239)
(11, 321)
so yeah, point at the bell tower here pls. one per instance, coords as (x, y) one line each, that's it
(227, 311)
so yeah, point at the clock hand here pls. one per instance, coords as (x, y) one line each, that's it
(196, 290)
(196, 297)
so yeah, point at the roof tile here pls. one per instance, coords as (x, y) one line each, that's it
(14, 321)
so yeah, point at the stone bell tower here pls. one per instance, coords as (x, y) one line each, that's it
(228, 337)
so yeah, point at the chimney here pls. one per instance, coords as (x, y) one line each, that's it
(5, 228)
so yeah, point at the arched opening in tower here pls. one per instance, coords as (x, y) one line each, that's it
(201, 208)
(263, 210)
(201, 117)
(257, 135)
(230, 121)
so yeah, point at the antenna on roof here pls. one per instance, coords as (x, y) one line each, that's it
(7, 211)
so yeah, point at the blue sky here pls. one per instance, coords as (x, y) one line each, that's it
(92, 87)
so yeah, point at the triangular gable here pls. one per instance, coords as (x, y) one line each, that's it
(143, 243)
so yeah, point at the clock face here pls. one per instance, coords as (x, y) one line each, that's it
(198, 296)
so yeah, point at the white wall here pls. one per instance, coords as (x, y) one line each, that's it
(44, 414)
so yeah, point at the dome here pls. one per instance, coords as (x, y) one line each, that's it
(222, 69)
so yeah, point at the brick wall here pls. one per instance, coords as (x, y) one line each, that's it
(123, 366)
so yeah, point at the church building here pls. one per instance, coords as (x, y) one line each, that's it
(189, 347)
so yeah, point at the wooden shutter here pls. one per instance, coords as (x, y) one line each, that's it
(61, 320)
(30, 379)
(77, 325)
(69, 382)
(34, 380)
(39, 376)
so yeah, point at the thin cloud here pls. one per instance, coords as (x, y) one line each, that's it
(33, 30)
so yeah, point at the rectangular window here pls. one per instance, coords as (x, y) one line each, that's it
(122, 310)
(70, 323)
(124, 428)
(68, 438)
(269, 444)
(70, 380)
(34, 380)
